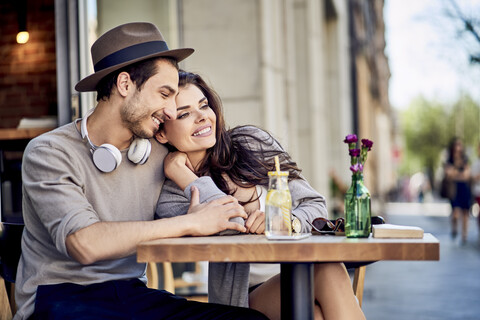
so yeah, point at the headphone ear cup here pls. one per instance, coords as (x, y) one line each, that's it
(107, 157)
(147, 153)
(139, 151)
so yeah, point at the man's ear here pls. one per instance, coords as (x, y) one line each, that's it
(160, 136)
(124, 83)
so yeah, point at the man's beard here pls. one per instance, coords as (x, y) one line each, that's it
(133, 114)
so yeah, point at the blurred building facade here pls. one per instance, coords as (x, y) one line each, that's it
(308, 71)
(376, 118)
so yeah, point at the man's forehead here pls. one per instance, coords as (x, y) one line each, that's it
(166, 76)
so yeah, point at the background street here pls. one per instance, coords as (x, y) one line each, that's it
(445, 289)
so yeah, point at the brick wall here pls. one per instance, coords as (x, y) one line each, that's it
(27, 71)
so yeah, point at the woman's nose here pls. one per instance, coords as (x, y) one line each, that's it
(201, 115)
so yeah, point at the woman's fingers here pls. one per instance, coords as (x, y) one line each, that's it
(256, 222)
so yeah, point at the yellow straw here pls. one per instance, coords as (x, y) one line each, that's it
(285, 210)
(277, 167)
(286, 219)
(277, 164)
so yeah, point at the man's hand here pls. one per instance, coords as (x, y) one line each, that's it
(212, 217)
(256, 222)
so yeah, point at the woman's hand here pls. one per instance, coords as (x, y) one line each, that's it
(179, 169)
(255, 222)
(174, 161)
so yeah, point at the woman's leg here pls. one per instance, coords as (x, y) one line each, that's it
(465, 216)
(455, 214)
(266, 299)
(334, 292)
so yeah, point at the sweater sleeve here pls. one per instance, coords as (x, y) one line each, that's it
(307, 203)
(174, 202)
(53, 193)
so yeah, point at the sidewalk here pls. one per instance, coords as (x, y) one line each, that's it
(446, 289)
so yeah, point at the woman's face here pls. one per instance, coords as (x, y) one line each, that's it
(194, 129)
(458, 147)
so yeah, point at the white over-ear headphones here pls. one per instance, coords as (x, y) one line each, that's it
(107, 157)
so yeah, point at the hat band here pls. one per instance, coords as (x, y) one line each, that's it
(130, 53)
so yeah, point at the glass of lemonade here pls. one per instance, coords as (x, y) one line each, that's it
(278, 206)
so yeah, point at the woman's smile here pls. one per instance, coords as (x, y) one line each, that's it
(203, 131)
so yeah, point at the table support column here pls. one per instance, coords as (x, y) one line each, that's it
(297, 291)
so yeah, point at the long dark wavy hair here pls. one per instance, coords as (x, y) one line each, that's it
(451, 151)
(240, 153)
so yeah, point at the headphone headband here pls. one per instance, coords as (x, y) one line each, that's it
(84, 131)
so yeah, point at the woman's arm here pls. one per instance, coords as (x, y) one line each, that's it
(307, 203)
(456, 174)
(178, 168)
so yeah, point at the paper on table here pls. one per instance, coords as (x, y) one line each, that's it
(396, 231)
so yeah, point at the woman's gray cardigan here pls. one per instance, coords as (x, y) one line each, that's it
(228, 282)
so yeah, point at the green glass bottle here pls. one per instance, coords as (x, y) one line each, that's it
(357, 209)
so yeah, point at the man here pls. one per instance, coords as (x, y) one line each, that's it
(87, 204)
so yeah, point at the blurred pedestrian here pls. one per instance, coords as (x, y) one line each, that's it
(476, 180)
(457, 170)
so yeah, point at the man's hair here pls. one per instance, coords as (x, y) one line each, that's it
(139, 72)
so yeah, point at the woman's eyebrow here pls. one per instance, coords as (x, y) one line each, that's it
(182, 108)
(186, 107)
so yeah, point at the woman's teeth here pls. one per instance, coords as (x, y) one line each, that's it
(202, 131)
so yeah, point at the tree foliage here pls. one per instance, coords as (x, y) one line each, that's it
(428, 127)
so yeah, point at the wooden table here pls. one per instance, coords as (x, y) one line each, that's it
(17, 134)
(296, 257)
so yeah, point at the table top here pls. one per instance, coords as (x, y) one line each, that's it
(17, 134)
(316, 248)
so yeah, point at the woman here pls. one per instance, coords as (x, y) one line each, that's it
(457, 170)
(236, 162)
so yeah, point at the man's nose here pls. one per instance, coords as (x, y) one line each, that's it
(170, 111)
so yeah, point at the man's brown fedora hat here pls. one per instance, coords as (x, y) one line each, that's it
(124, 45)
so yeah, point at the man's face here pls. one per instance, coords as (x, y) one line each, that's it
(144, 110)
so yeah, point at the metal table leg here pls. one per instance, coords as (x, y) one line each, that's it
(297, 291)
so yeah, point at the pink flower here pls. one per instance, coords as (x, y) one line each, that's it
(356, 168)
(351, 138)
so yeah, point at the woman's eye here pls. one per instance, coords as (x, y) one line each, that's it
(183, 115)
(205, 106)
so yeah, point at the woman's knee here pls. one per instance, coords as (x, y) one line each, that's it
(330, 268)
